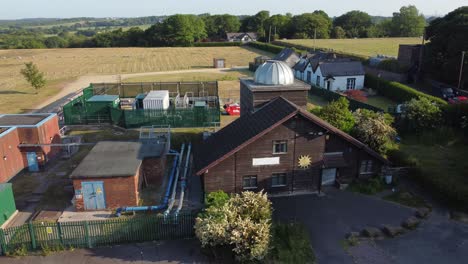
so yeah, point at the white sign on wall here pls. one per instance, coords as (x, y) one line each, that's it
(265, 161)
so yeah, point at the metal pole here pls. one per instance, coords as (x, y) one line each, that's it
(269, 35)
(461, 69)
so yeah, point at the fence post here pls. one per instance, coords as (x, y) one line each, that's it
(88, 239)
(32, 235)
(59, 229)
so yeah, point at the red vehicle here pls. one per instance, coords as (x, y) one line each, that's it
(232, 109)
(458, 100)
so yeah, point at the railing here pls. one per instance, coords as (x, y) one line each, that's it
(89, 234)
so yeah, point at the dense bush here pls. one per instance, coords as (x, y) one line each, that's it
(337, 113)
(397, 91)
(421, 115)
(374, 129)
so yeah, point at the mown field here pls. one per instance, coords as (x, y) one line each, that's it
(61, 66)
(365, 47)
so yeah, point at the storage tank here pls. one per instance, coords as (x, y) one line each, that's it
(156, 100)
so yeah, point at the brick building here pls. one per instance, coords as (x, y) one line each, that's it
(108, 177)
(16, 130)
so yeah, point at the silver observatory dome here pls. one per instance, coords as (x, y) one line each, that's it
(274, 72)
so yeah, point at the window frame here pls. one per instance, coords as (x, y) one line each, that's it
(250, 187)
(276, 142)
(350, 81)
(317, 81)
(284, 174)
(366, 167)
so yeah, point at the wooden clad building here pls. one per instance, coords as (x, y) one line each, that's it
(282, 147)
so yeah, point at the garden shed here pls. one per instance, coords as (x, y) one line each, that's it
(7, 205)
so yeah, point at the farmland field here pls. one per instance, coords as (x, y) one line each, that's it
(364, 47)
(61, 66)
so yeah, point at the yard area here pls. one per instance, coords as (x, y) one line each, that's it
(62, 66)
(363, 47)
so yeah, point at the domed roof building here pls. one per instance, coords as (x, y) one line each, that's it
(274, 72)
(272, 79)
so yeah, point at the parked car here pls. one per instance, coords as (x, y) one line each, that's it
(232, 109)
(448, 93)
(458, 100)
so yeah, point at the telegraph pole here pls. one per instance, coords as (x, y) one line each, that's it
(269, 35)
(461, 69)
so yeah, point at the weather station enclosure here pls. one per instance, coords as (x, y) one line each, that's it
(133, 105)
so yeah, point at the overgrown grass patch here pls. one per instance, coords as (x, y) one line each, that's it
(407, 198)
(370, 187)
(290, 244)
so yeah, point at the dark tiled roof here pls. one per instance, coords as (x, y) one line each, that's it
(248, 128)
(19, 119)
(341, 68)
(289, 56)
(241, 131)
(239, 35)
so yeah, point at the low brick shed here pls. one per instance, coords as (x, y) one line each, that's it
(109, 176)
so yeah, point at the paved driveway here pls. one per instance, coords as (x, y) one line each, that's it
(330, 217)
(437, 240)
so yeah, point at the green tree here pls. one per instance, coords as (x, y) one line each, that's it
(55, 42)
(33, 76)
(374, 129)
(309, 24)
(218, 25)
(338, 33)
(279, 23)
(408, 22)
(355, 23)
(448, 37)
(421, 114)
(242, 224)
(337, 113)
(182, 30)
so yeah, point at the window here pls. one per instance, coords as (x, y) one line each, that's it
(249, 182)
(278, 179)
(309, 76)
(351, 83)
(317, 82)
(280, 147)
(366, 167)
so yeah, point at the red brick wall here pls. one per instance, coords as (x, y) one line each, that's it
(119, 191)
(14, 162)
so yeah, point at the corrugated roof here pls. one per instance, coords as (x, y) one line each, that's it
(110, 159)
(22, 119)
(248, 128)
(341, 68)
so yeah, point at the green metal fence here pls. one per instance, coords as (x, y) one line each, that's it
(89, 234)
(78, 112)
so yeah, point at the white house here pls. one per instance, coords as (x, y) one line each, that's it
(243, 37)
(335, 75)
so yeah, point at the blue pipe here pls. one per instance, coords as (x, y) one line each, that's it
(167, 194)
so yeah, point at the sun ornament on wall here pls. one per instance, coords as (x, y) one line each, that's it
(304, 161)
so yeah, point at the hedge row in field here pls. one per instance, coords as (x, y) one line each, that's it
(269, 47)
(397, 91)
(217, 44)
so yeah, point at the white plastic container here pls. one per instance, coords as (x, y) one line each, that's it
(156, 100)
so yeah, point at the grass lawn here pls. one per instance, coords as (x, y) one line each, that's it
(380, 102)
(290, 244)
(440, 158)
(315, 101)
(63, 65)
(227, 75)
(366, 47)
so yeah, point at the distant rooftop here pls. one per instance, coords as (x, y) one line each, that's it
(22, 120)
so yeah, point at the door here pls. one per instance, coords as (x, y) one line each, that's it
(93, 195)
(328, 176)
(33, 165)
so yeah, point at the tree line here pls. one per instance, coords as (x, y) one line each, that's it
(185, 30)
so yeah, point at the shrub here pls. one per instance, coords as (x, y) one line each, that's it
(337, 113)
(217, 44)
(392, 65)
(421, 114)
(397, 91)
(290, 244)
(216, 199)
(242, 223)
(371, 186)
(374, 129)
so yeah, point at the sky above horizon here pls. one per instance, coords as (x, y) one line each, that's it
(123, 8)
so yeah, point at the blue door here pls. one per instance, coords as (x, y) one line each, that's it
(32, 161)
(93, 195)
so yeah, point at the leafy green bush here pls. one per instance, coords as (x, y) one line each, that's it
(19, 251)
(290, 244)
(397, 91)
(337, 113)
(371, 186)
(216, 199)
(421, 115)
